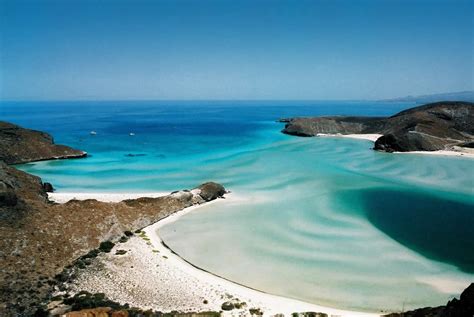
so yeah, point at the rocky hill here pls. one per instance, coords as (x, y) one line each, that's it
(431, 127)
(20, 145)
(39, 238)
(462, 307)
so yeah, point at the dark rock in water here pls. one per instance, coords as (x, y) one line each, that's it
(432, 127)
(134, 155)
(211, 191)
(462, 307)
(48, 187)
(19, 145)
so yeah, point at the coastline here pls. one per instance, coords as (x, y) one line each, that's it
(177, 276)
(460, 152)
(60, 197)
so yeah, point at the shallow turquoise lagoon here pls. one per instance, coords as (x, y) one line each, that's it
(325, 220)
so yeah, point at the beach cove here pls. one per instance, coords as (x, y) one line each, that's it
(292, 194)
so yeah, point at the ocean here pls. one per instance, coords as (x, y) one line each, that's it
(324, 220)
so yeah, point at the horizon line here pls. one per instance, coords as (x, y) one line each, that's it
(391, 99)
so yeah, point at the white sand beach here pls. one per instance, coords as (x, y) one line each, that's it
(151, 276)
(105, 197)
(455, 151)
(370, 137)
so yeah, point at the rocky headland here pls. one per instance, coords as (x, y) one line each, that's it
(61, 259)
(38, 238)
(19, 145)
(447, 125)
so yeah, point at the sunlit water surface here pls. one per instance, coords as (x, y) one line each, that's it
(325, 220)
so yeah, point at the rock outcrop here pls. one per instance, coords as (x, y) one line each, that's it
(39, 238)
(20, 145)
(210, 191)
(333, 125)
(462, 307)
(432, 127)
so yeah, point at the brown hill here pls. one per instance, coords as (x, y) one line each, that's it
(436, 126)
(39, 238)
(20, 145)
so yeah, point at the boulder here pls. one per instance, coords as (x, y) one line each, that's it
(227, 306)
(388, 143)
(48, 187)
(210, 191)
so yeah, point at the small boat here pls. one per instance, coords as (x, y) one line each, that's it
(131, 134)
(93, 133)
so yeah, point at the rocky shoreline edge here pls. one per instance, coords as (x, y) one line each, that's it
(43, 245)
(20, 145)
(442, 126)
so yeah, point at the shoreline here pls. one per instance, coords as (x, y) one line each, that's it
(204, 284)
(63, 197)
(459, 152)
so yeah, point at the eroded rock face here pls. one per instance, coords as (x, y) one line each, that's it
(431, 127)
(7, 195)
(39, 238)
(332, 125)
(19, 145)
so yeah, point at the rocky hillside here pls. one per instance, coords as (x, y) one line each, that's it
(39, 238)
(462, 307)
(20, 145)
(432, 127)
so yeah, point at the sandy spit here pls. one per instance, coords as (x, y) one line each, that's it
(151, 276)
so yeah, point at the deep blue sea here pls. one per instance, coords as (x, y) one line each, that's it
(324, 220)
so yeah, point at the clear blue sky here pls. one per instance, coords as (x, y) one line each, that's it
(178, 49)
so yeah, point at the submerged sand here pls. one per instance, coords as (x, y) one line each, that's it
(455, 151)
(151, 276)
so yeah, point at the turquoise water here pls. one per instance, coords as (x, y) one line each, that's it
(325, 220)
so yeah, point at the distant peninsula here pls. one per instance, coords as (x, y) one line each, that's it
(467, 95)
(19, 145)
(447, 125)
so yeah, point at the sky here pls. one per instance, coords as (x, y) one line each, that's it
(231, 49)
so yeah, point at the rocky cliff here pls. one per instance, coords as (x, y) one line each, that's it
(20, 145)
(462, 307)
(431, 127)
(39, 238)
